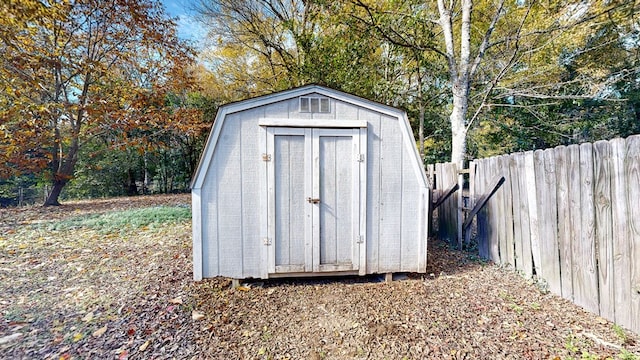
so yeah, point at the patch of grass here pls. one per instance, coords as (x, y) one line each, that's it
(117, 221)
(620, 333)
(626, 355)
(571, 344)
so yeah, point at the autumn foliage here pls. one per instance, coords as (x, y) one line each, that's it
(74, 72)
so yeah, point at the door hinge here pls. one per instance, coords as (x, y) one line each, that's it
(266, 157)
(266, 241)
(360, 158)
(360, 239)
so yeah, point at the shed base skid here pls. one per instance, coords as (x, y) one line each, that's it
(376, 277)
(312, 274)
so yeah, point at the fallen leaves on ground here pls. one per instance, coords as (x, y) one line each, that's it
(81, 293)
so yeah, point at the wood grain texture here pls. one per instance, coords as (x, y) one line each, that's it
(525, 226)
(481, 217)
(501, 226)
(549, 226)
(494, 215)
(632, 171)
(575, 221)
(508, 214)
(533, 211)
(586, 291)
(516, 199)
(564, 221)
(543, 210)
(604, 228)
(621, 245)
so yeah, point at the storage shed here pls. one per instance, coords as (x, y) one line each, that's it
(305, 182)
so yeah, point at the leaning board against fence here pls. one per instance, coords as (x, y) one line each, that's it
(570, 216)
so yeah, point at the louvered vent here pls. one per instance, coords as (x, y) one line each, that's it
(314, 104)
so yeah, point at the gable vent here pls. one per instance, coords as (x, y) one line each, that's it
(314, 104)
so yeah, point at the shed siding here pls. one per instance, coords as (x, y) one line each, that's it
(250, 182)
(230, 196)
(411, 247)
(373, 189)
(390, 195)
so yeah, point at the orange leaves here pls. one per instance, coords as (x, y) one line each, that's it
(73, 71)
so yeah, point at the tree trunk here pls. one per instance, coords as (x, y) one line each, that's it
(52, 198)
(458, 123)
(63, 174)
(132, 188)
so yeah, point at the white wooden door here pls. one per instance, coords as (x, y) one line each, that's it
(316, 184)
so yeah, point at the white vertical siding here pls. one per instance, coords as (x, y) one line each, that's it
(209, 226)
(229, 210)
(289, 241)
(373, 189)
(196, 221)
(230, 199)
(410, 242)
(391, 195)
(251, 157)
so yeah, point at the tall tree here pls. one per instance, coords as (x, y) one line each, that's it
(269, 45)
(497, 49)
(67, 76)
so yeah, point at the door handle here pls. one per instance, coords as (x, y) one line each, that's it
(313, 201)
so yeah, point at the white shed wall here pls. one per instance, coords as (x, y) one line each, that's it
(230, 195)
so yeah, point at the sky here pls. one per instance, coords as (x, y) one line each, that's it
(189, 28)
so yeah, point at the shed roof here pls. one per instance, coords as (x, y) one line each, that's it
(247, 104)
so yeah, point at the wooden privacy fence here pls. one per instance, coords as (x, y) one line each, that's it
(569, 216)
(443, 178)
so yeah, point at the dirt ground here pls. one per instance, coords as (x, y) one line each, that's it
(128, 294)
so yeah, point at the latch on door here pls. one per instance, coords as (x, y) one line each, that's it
(313, 201)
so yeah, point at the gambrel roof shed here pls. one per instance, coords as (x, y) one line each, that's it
(309, 181)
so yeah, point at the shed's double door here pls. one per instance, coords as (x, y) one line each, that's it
(315, 214)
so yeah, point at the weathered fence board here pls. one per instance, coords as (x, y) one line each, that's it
(575, 221)
(499, 208)
(481, 220)
(446, 176)
(551, 264)
(604, 230)
(515, 204)
(564, 223)
(492, 209)
(632, 170)
(621, 246)
(530, 177)
(587, 289)
(508, 213)
(547, 223)
(525, 225)
(569, 215)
